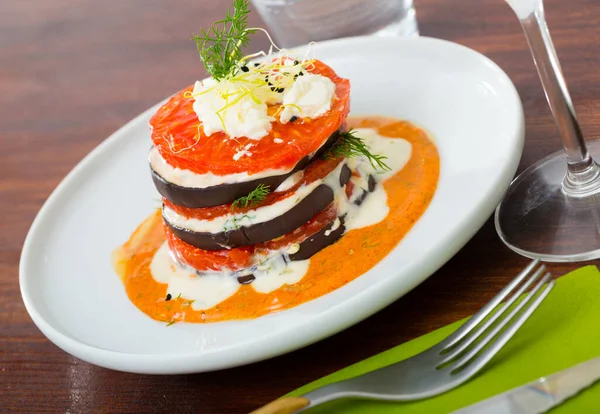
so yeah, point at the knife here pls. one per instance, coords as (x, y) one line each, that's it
(542, 394)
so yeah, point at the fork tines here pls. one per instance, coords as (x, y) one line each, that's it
(486, 332)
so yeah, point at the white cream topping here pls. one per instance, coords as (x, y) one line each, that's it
(259, 215)
(239, 108)
(226, 106)
(309, 97)
(187, 178)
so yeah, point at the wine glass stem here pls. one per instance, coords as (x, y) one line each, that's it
(582, 169)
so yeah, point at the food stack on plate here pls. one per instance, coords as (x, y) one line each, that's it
(253, 167)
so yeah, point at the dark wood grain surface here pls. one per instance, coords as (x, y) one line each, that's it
(74, 71)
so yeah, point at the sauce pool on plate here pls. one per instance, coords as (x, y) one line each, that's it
(151, 277)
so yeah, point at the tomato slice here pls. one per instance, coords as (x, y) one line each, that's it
(178, 136)
(206, 260)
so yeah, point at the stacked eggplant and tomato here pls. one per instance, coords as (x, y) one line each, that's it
(220, 228)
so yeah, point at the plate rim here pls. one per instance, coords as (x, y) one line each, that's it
(138, 362)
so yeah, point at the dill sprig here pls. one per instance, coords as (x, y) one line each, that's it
(256, 196)
(349, 145)
(220, 47)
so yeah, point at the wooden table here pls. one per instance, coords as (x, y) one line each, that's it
(73, 71)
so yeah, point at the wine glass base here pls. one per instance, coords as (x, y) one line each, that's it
(538, 220)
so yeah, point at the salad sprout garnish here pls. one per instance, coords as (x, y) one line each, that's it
(169, 140)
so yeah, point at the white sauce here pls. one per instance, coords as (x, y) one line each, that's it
(208, 290)
(374, 208)
(336, 225)
(187, 178)
(260, 215)
(397, 150)
(289, 182)
(272, 279)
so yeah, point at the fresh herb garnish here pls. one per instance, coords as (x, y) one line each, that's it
(349, 145)
(256, 196)
(220, 47)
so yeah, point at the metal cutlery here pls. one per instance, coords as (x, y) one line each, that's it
(446, 365)
(542, 394)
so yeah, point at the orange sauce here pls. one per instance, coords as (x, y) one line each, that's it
(409, 192)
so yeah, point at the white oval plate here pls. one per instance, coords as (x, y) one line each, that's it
(464, 100)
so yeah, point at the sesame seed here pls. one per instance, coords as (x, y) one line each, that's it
(245, 68)
(301, 73)
(296, 62)
(294, 118)
(272, 88)
(280, 90)
(256, 65)
(169, 296)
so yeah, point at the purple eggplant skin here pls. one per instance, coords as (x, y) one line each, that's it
(192, 197)
(319, 241)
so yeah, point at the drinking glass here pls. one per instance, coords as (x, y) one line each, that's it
(552, 210)
(296, 22)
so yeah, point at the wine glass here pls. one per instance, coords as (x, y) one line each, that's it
(551, 211)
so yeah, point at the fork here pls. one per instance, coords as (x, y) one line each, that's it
(443, 366)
